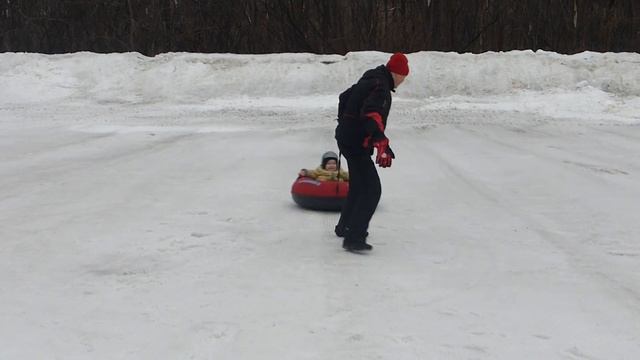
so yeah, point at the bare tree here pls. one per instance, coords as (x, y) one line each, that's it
(318, 26)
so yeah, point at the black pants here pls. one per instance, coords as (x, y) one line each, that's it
(362, 200)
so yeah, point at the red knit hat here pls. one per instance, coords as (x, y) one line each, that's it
(398, 64)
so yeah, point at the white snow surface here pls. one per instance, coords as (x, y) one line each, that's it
(145, 209)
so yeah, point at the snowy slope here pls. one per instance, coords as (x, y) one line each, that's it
(145, 209)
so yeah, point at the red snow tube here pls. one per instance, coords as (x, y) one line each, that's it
(319, 195)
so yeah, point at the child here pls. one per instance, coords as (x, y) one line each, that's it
(328, 169)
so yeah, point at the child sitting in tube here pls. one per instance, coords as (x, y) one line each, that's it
(328, 169)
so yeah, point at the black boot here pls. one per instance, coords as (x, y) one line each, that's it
(343, 231)
(356, 245)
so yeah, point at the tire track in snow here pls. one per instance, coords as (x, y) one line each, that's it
(44, 173)
(543, 226)
(575, 165)
(418, 144)
(49, 151)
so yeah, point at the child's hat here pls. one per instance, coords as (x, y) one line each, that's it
(329, 155)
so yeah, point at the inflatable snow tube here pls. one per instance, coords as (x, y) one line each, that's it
(319, 195)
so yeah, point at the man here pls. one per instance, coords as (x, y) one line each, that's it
(362, 119)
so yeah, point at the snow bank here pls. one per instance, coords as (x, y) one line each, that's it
(198, 78)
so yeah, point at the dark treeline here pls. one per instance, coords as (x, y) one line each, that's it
(318, 26)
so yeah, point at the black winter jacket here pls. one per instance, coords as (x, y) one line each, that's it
(372, 93)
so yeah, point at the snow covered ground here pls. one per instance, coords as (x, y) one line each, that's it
(145, 209)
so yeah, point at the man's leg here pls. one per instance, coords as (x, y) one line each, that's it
(365, 204)
(367, 201)
(355, 192)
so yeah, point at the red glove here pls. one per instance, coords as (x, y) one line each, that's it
(375, 130)
(384, 153)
